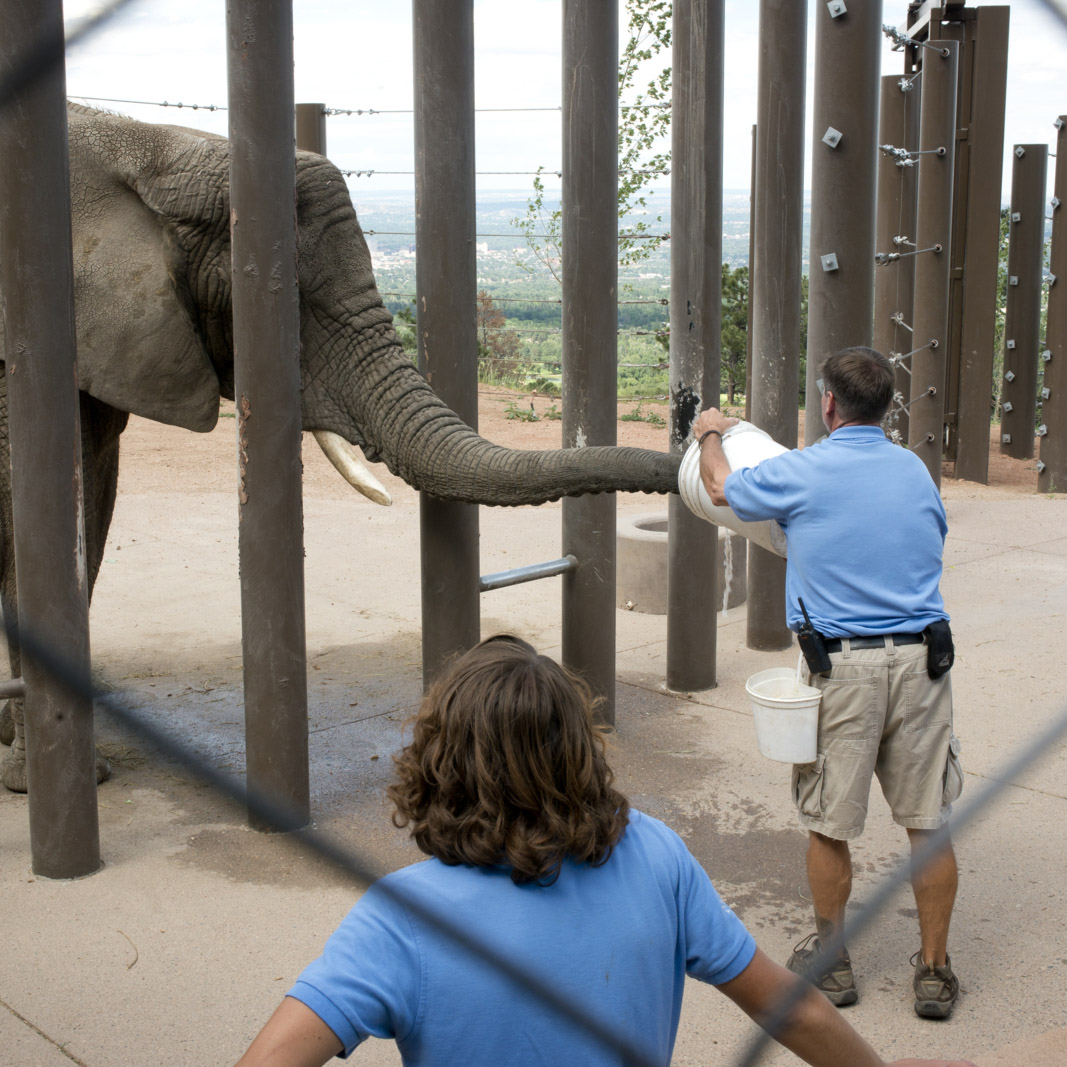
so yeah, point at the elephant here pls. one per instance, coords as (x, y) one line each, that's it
(151, 231)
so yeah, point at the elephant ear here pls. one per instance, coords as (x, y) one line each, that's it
(143, 346)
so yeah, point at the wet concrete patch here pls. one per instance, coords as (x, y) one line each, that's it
(661, 755)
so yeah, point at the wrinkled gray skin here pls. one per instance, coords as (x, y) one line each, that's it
(151, 248)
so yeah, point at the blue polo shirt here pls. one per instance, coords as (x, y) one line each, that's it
(865, 529)
(616, 941)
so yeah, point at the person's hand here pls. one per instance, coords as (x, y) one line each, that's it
(932, 1063)
(712, 419)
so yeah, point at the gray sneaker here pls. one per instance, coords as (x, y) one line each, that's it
(838, 984)
(936, 988)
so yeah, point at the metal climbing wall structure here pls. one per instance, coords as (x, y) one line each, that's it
(1052, 466)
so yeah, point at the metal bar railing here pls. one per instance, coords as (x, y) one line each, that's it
(530, 573)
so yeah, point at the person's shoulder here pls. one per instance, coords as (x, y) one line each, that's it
(652, 833)
(414, 879)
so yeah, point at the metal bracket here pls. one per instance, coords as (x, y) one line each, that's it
(829, 261)
(1020, 151)
(1013, 280)
(1041, 430)
(836, 8)
(1005, 438)
(1046, 355)
(1055, 202)
(1006, 407)
(1046, 393)
(832, 137)
(1040, 467)
(1009, 376)
(1010, 343)
(1016, 216)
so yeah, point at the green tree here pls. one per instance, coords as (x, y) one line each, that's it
(734, 337)
(499, 349)
(644, 123)
(404, 324)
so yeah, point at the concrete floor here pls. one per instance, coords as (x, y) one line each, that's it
(182, 945)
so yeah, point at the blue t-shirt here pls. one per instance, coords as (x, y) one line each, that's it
(865, 529)
(616, 941)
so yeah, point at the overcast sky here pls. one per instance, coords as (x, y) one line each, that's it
(357, 54)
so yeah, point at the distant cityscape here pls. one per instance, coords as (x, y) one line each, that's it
(388, 219)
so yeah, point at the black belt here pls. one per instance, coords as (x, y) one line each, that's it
(833, 644)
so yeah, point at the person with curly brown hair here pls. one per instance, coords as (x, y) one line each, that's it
(553, 924)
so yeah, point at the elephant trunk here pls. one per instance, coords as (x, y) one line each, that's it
(403, 422)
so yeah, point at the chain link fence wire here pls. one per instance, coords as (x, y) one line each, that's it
(38, 58)
(282, 819)
(364, 871)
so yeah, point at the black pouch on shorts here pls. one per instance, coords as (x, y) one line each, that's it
(940, 653)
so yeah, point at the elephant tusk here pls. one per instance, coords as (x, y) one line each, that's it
(343, 455)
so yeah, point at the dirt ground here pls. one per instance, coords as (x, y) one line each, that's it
(150, 450)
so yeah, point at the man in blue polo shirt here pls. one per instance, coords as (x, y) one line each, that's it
(865, 529)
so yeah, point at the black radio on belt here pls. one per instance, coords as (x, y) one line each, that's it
(940, 653)
(812, 645)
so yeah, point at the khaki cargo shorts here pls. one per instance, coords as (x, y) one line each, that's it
(881, 714)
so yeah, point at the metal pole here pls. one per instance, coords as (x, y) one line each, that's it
(848, 47)
(1052, 467)
(775, 278)
(446, 283)
(696, 321)
(37, 274)
(894, 282)
(266, 328)
(933, 229)
(1022, 302)
(751, 257)
(983, 36)
(311, 128)
(590, 316)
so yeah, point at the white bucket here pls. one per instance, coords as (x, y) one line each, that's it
(744, 445)
(786, 714)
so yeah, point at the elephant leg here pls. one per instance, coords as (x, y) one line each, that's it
(101, 426)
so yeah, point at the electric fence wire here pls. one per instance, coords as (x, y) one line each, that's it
(331, 112)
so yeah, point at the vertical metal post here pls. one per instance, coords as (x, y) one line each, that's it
(775, 277)
(266, 321)
(1052, 467)
(894, 282)
(1022, 302)
(38, 286)
(933, 229)
(446, 284)
(696, 321)
(848, 50)
(983, 36)
(751, 258)
(590, 317)
(311, 128)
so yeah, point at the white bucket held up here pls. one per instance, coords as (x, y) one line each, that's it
(744, 445)
(786, 714)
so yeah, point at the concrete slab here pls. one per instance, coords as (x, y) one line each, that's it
(181, 946)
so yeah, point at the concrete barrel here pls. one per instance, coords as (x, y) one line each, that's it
(641, 564)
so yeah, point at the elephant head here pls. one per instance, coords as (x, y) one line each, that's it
(151, 223)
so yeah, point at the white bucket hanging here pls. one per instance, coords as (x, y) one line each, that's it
(744, 445)
(786, 715)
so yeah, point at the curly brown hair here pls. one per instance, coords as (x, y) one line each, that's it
(506, 767)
